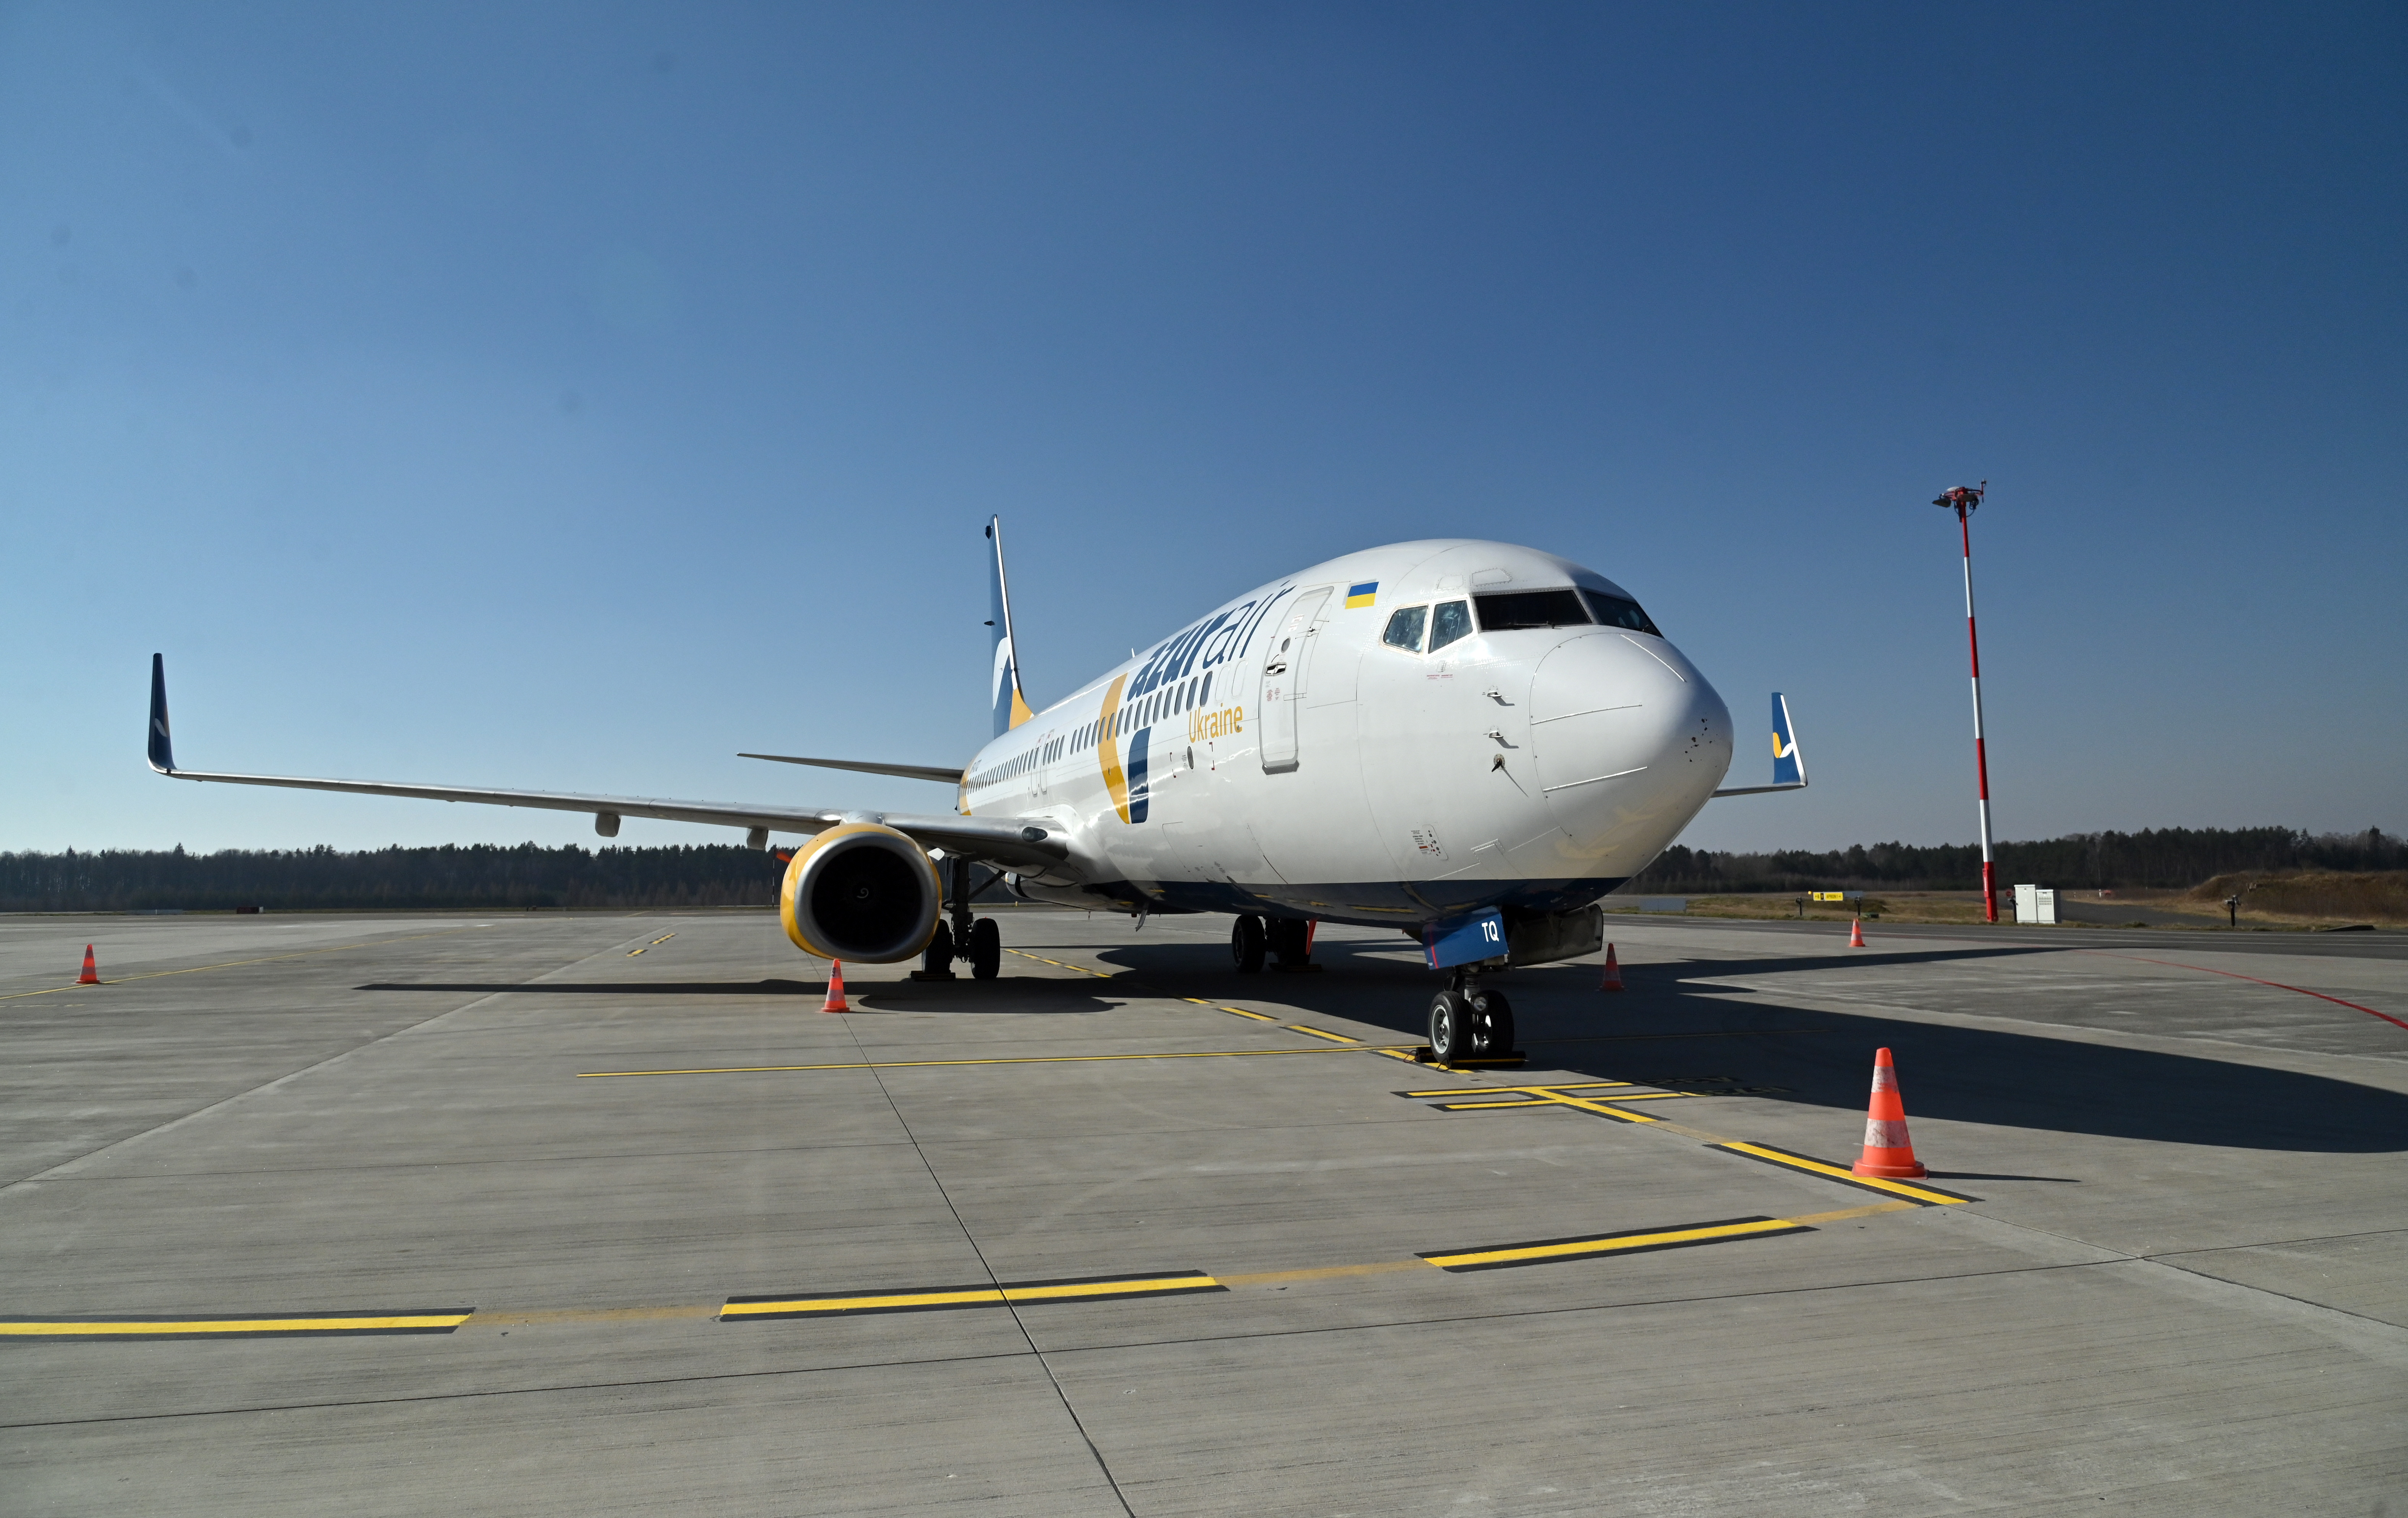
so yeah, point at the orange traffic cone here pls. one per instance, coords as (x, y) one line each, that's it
(1856, 934)
(91, 975)
(1888, 1152)
(836, 1002)
(1612, 972)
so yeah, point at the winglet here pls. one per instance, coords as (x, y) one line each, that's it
(1788, 764)
(163, 753)
(1011, 707)
(1788, 760)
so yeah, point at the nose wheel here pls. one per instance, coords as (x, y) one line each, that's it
(1470, 1024)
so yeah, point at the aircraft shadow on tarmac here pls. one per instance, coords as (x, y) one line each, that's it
(1034, 996)
(2008, 1077)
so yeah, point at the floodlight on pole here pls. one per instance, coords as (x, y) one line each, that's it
(1965, 498)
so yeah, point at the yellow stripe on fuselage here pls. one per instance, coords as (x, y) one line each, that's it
(1107, 748)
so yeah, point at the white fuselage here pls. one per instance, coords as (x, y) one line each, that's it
(1280, 754)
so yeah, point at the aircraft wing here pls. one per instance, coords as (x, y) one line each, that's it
(1011, 841)
(910, 772)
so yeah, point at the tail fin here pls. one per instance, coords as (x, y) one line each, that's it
(1010, 707)
(1789, 760)
(163, 753)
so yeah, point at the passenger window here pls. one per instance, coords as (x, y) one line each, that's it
(1452, 621)
(1405, 628)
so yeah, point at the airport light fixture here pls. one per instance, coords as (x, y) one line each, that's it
(1965, 498)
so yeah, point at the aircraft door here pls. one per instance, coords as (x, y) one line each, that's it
(1284, 666)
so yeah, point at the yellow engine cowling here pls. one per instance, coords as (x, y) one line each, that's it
(861, 892)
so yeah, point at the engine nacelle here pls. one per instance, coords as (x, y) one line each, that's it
(861, 892)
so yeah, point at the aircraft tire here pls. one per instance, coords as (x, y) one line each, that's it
(938, 958)
(1246, 944)
(1492, 1020)
(987, 949)
(1450, 1028)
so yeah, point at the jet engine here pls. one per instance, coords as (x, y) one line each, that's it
(861, 892)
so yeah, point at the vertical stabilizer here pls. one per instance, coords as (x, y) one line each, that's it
(1010, 707)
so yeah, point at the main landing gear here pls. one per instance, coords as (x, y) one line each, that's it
(964, 936)
(1246, 944)
(1289, 938)
(1468, 1022)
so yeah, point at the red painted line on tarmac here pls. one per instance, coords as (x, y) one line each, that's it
(2254, 980)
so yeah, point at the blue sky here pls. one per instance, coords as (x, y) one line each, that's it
(568, 396)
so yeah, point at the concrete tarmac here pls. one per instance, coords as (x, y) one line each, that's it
(598, 1214)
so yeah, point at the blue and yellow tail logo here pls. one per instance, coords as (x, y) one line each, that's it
(1788, 768)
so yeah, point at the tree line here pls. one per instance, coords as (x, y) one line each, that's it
(477, 877)
(488, 877)
(2167, 857)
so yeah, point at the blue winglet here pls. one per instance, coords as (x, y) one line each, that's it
(163, 753)
(1788, 765)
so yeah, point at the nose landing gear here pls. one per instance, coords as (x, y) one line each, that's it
(1469, 1023)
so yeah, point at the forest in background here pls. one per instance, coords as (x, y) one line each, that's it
(2167, 858)
(489, 877)
(477, 877)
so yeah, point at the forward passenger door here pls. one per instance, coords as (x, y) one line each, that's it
(1285, 663)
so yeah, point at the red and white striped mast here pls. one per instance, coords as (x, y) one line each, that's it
(1965, 498)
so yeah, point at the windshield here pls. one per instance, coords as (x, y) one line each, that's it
(1531, 608)
(1618, 611)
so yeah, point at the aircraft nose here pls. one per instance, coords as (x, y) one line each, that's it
(1629, 739)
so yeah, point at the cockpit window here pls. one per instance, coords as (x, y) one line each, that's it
(1405, 628)
(1531, 608)
(1451, 620)
(1617, 611)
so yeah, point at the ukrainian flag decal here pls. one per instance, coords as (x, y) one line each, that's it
(1362, 595)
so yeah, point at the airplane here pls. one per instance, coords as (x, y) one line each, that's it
(1470, 741)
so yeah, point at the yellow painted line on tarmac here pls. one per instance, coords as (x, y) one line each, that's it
(1491, 1090)
(633, 953)
(1326, 1272)
(547, 1317)
(237, 963)
(1535, 1105)
(1092, 1289)
(1239, 1011)
(1192, 1001)
(163, 1327)
(920, 1063)
(1920, 1195)
(1320, 1033)
(1847, 1214)
(663, 939)
(1547, 1251)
